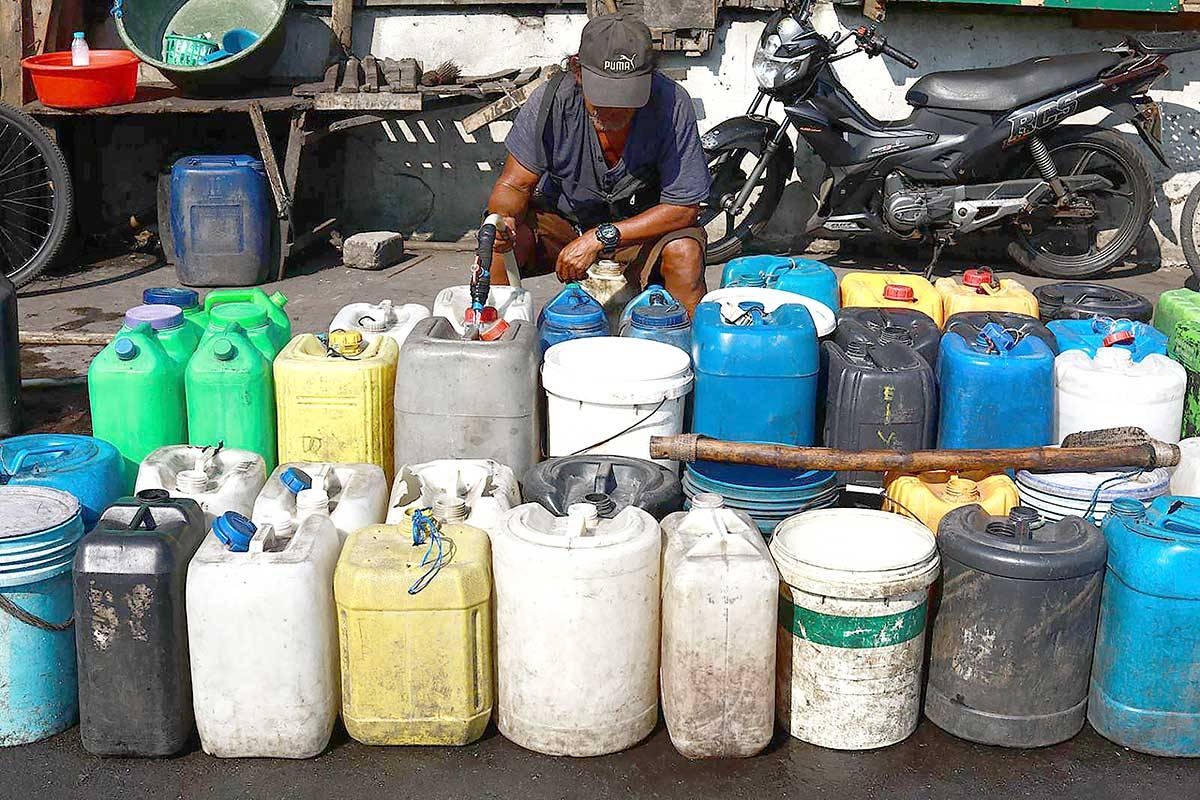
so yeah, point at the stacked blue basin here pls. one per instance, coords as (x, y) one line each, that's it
(769, 495)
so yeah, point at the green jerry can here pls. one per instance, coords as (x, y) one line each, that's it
(1184, 347)
(271, 303)
(231, 395)
(174, 333)
(261, 328)
(1174, 307)
(136, 392)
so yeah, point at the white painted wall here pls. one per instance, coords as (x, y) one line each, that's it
(722, 85)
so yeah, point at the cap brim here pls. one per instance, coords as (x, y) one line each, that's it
(632, 91)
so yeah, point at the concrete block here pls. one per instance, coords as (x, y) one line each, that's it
(374, 250)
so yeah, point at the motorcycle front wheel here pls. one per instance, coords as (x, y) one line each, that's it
(730, 167)
(1057, 246)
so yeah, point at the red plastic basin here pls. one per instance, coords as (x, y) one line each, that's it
(111, 79)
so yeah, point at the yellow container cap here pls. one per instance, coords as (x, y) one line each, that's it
(346, 343)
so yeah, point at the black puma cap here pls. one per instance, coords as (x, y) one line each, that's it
(617, 58)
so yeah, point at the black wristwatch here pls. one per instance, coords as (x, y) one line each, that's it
(609, 236)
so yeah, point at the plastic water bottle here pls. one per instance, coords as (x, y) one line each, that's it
(80, 55)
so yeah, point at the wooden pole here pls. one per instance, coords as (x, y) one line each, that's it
(64, 338)
(12, 47)
(341, 30)
(1126, 452)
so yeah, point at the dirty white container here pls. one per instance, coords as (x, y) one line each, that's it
(609, 395)
(1060, 494)
(577, 628)
(354, 496)
(730, 299)
(219, 480)
(852, 614)
(475, 492)
(1185, 479)
(1111, 390)
(720, 611)
(374, 320)
(511, 304)
(262, 634)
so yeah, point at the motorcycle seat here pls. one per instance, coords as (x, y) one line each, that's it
(1008, 88)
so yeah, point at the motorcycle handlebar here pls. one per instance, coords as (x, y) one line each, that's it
(902, 57)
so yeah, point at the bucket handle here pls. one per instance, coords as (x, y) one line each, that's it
(20, 614)
(47, 450)
(623, 431)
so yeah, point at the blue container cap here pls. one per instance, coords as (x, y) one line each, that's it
(295, 480)
(125, 348)
(234, 531)
(574, 308)
(171, 296)
(994, 336)
(660, 311)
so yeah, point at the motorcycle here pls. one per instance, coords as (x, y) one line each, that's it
(983, 149)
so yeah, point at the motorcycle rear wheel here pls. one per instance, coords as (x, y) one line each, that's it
(729, 167)
(1189, 234)
(1055, 247)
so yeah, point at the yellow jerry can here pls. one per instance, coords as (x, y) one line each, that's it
(892, 290)
(981, 291)
(415, 632)
(335, 404)
(932, 495)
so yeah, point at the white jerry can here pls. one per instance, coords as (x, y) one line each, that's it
(511, 304)
(218, 479)
(374, 320)
(720, 610)
(475, 492)
(852, 618)
(577, 628)
(1185, 479)
(354, 496)
(262, 631)
(1111, 390)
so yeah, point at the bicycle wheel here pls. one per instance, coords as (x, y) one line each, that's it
(35, 197)
(1189, 231)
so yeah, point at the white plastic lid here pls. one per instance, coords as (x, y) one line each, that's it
(823, 317)
(617, 370)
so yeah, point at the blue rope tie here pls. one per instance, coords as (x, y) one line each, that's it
(425, 530)
(1090, 514)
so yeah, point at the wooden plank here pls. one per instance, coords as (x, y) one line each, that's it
(382, 101)
(12, 45)
(274, 177)
(152, 100)
(1073, 5)
(370, 75)
(410, 75)
(350, 79)
(341, 30)
(510, 102)
(291, 178)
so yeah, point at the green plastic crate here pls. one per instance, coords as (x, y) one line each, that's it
(186, 51)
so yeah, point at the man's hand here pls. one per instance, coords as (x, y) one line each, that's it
(575, 259)
(507, 236)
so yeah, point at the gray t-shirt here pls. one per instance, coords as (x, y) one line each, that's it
(663, 151)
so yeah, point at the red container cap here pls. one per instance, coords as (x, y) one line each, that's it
(490, 314)
(897, 291)
(977, 278)
(494, 331)
(1118, 338)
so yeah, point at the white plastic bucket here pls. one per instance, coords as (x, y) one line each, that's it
(511, 304)
(1059, 494)
(853, 607)
(823, 317)
(609, 395)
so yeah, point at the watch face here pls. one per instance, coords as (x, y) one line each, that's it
(608, 234)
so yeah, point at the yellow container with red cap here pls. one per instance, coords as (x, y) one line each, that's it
(892, 290)
(980, 290)
(929, 496)
(334, 400)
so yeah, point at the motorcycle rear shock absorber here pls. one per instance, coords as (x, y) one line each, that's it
(1045, 165)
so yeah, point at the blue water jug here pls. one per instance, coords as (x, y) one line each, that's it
(221, 220)
(89, 469)
(1090, 335)
(996, 390)
(570, 314)
(1144, 691)
(656, 315)
(756, 374)
(802, 276)
(40, 529)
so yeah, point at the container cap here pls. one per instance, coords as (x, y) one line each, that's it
(223, 349)
(1119, 337)
(657, 312)
(171, 296)
(159, 317)
(234, 531)
(346, 343)
(977, 277)
(295, 480)
(1012, 548)
(378, 319)
(125, 349)
(248, 315)
(994, 336)
(899, 292)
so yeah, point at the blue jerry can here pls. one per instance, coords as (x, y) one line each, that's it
(221, 220)
(996, 390)
(802, 276)
(1090, 335)
(570, 314)
(1145, 694)
(89, 469)
(756, 374)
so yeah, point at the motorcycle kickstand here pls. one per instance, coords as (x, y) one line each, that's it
(938, 246)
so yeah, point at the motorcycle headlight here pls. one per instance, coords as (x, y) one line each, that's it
(772, 72)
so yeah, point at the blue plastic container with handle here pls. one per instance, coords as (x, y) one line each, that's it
(802, 276)
(87, 468)
(656, 315)
(1092, 334)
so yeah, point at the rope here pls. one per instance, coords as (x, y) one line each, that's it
(1090, 513)
(618, 434)
(13, 610)
(438, 552)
